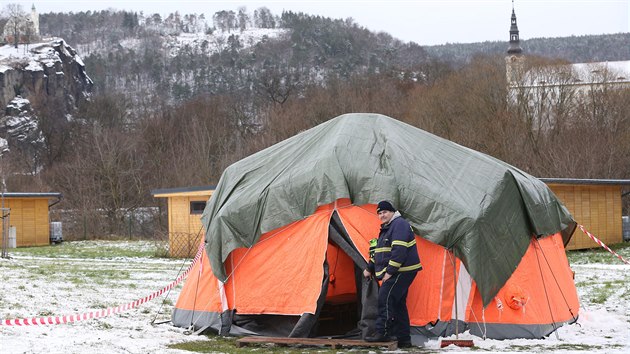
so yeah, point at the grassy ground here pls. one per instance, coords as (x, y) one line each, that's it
(95, 249)
(599, 255)
(215, 344)
(71, 264)
(598, 289)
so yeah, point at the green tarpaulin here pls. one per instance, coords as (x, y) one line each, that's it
(482, 208)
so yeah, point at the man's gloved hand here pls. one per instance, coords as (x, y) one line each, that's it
(367, 274)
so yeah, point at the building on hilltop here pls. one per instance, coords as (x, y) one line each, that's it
(23, 26)
(579, 75)
(537, 85)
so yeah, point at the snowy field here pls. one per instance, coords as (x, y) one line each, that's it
(64, 283)
(86, 276)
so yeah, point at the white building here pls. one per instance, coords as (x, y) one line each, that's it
(545, 91)
(582, 75)
(25, 27)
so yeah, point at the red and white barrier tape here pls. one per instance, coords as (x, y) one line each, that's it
(102, 313)
(599, 242)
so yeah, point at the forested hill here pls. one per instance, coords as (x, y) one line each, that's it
(259, 55)
(575, 49)
(256, 55)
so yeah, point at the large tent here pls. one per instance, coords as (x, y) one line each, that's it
(287, 233)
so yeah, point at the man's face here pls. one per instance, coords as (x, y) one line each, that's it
(385, 216)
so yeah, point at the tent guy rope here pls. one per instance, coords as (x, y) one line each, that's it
(599, 242)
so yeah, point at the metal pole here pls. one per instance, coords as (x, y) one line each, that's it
(129, 226)
(6, 224)
(456, 299)
(5, 237)
(5, 229)
(4, 234)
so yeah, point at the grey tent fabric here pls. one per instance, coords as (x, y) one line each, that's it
(482, 208)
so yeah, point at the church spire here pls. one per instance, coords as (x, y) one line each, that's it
(515, 43)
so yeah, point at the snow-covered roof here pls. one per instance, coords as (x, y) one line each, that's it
(621, 69)
(578, 74)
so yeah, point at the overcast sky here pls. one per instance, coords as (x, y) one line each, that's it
(425, 22)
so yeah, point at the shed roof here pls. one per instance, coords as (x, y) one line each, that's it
(595, 181)
(31, 195)
(613, 72)
(183, 191)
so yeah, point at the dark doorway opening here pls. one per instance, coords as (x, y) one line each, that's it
(339, 315)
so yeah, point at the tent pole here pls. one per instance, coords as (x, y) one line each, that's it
(456, 305)
(457, 342)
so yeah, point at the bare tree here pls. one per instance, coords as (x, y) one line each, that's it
(105, 177)
(277, 83)
(16, 15)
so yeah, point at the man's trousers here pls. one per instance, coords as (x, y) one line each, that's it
(393, 317)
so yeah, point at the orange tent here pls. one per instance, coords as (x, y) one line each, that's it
(303, 279)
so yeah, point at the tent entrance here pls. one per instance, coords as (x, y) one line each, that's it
(342, 311)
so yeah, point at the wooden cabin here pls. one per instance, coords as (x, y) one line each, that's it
(594, 203)
(185, 206)
(28, 213)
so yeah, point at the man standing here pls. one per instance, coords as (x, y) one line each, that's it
(396, 262)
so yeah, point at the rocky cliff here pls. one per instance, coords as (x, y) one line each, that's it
(50, 68)
(47, 72)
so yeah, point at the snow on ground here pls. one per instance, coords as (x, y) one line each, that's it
(58, 284)
(213, 43)
(33, 55)
(4, 146)
(47, 286)
(218, 41)
(9, 52)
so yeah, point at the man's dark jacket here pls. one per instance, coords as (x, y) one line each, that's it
(396, 250)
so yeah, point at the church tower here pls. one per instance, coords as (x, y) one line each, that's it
(514, 61)
(35, 20)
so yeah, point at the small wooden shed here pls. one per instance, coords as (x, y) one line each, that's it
(594, 203)
(28, 213)
(185, 206)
